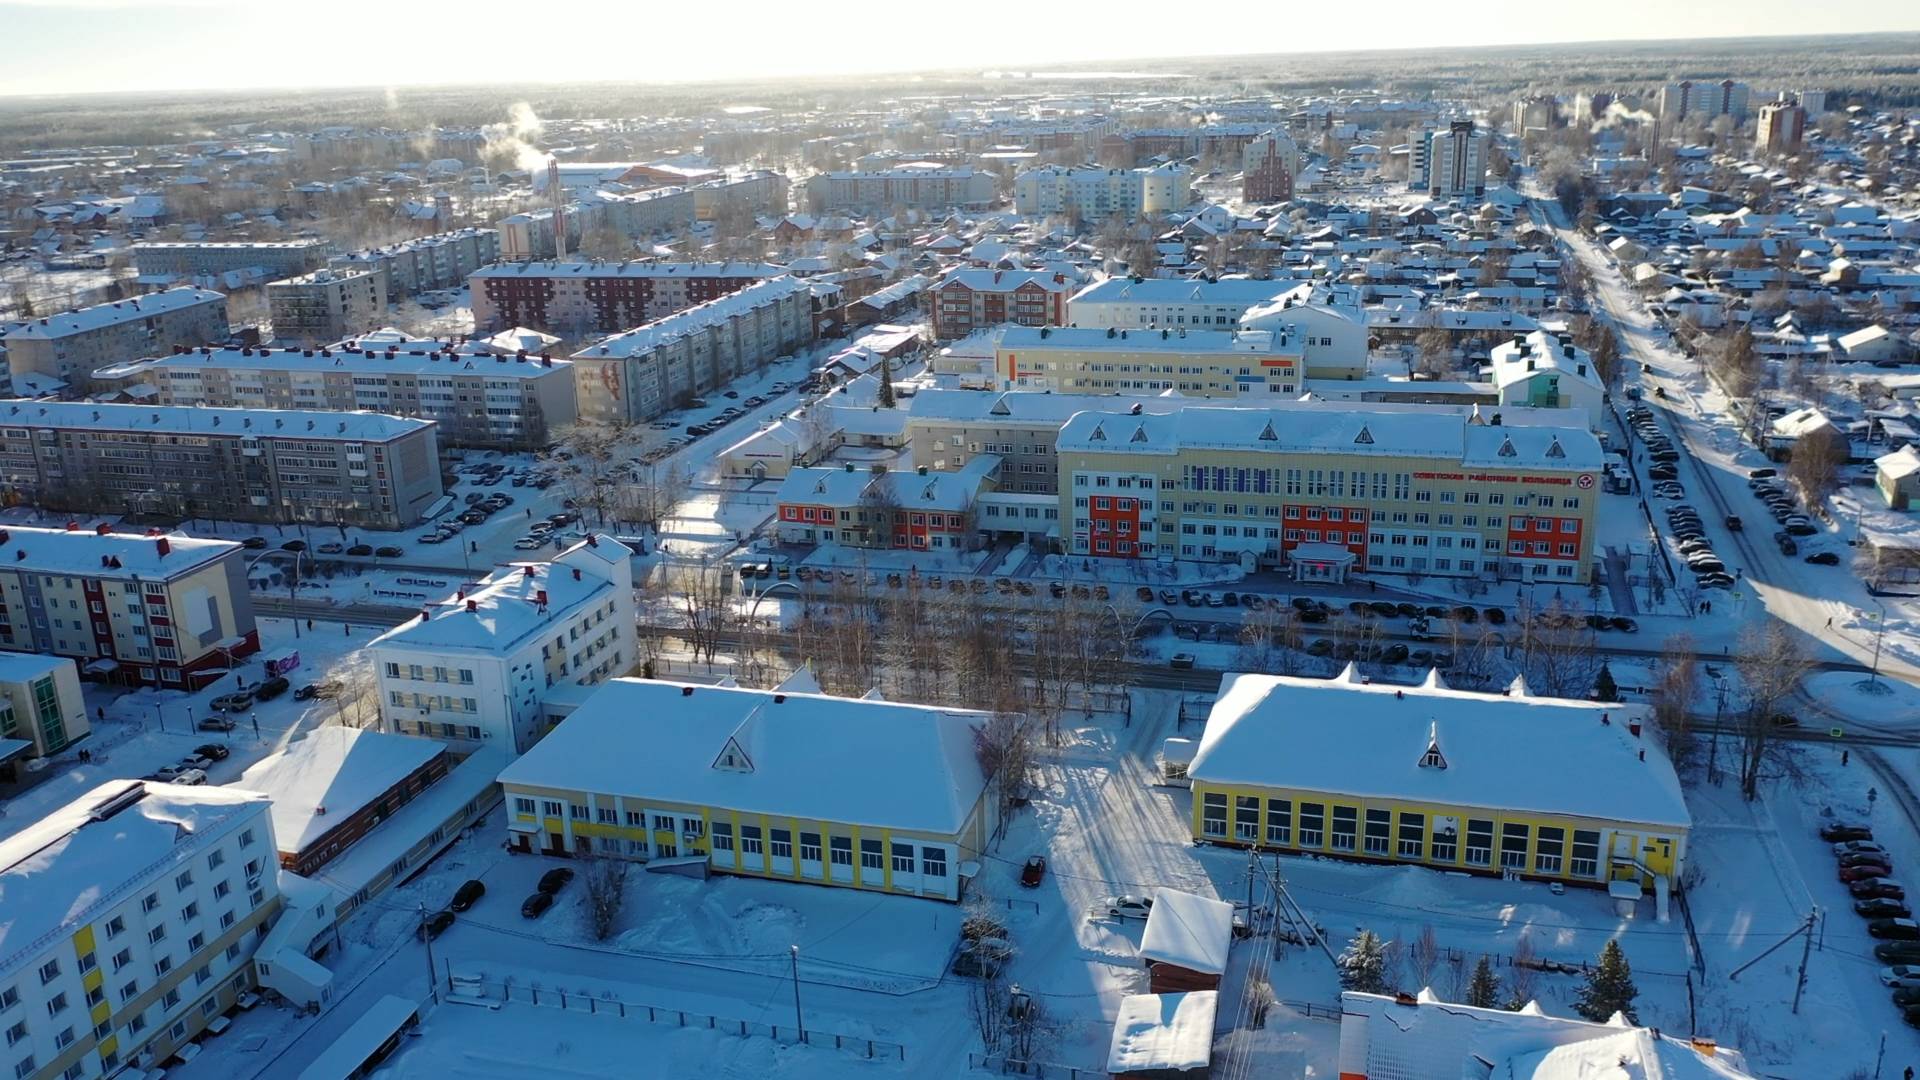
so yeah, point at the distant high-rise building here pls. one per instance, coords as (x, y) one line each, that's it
(1686, 98)
(1538, 111)
(1781, 127)
(1456, 161)
(1269, 164)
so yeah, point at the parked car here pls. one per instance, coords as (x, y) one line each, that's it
(307, 692)
(192, 777)
(1824, 558)
(1906, 997)
(294, 545)
(555, 879)
(1898, 929)
(196, 761)
(1851, 874)
(1182, 661)
(536, 905)
(234, 703)
(1897, 952)
(1866, 890)
(466, 895)
(1900, 975)
(1848, 847)
(332, 547)
(1621, 622)
(389, 552)
(254, 543)
(435, 925)
(213, 751)
(1843, 831)
(360, 549)
(272, 688)
(1734, 523)
(1127, 907)
(1862, 858)
(1882, 907)
(1035, 869)
(215, 723)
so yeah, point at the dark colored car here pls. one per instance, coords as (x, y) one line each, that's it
(555, 879)
(1905, 996)
(1621, 622)
(1911, 1014)
(1863, 872)
(389, 552)
(1882, 907)
(254, 543)
(360, 549)
(214, 750)
(536, 905)
(1898, 929)
(466, 895)
(1496, 616)
(271, 689)
(435, 925)
(1897, 952)
(294, 545)
(1035, 870)
(1824, 558)
(307, 692)
(1867, 890)
(1863, 858)
(1843, 831)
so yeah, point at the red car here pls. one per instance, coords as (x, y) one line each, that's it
(1035, 869)
(1861, 873)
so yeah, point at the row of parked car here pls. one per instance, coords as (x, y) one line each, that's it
(1766, 486)
(358, 550)
(1690, 537)
(192, 769)
(1867, 870)
(546, 530)
(479, 508)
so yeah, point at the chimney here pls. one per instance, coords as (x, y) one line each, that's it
(101, 529)
(576, 573)
(473, 605)
(1404, 998)
(1633, 728)
(1604, 721)
(686, 691)
(526, 571)
(540, 597)
(106, 560)
(425, 614)
(160, 545)
(1643, 755)
(74, 526)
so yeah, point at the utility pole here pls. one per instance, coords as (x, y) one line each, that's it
(433, 988)
(1806, 947)
(798, 1021)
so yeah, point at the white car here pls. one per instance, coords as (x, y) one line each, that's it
(529, 543)
(1127, 907)
(192, 777)
(1900, 975)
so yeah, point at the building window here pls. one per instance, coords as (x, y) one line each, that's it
(782, 841)
(49, 971)
(1246, 818)
(810, 846)
(1547, 850)
(1280, 822)
(1413, 835)
(1446, 839)
(750, 840)
(1479, 842)
(903, 858)
(1379, 823)
(933, 862)
(1586, 854)
(1513, 846)
(871, 856)
(1346, 820)
(723, 836)
(1213, 814)
(840, 849)
(1313, 817)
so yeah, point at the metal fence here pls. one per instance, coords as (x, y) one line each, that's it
(1005, 1064)
(475, 988)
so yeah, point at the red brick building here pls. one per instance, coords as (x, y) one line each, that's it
(969, 299)
(601, 297)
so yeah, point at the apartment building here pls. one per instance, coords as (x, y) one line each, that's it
(879, 507)
(168, 611)
(1426, 775)
(1093, 193)
(946, 429)
(68, 346)
(477, 398)
(327, 305)
(1180, 302)
(475, 669)
(1326, 491)
(1544, 370)
(663, 365)
(1456, 161)
(1687, 99)
(441, 261)
(658, 212)
(1781, 127)
(133, 915)
(1198, 363)
(1268, 164)
(1219, 141)
(655, 770)
(601, 297)
(917, 187)
(970, 299)
(268, 465)
(41, 710)
(759, 191)
(177, 259)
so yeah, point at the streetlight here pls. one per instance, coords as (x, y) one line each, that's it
(798, 1020)
(433, 987)
(1879, 632)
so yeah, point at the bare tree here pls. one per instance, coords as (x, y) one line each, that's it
(1673, 697)
(1004, 747)
(1269, 641)
(1526, 973)
(355, 689)
(1771, 660)
(702, 594)
(606, 894)
(1423, 956)
(1560, 658)
(1814, 467)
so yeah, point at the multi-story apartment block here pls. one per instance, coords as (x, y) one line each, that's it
(1094, 193)
(1686, 98)
(133, 914)
(327, 305)
(173, 260)
(969, 299)
(655, 770)
(41, 710)
(1197, 363)
(1544, 370)
(601, 297)
(1456, 163)
(1222, 141)
(1537, 111)
(915, 187)
(70, 345)
(761, 191)
(474, 669)
(168, 611)
(1178, 302)
(1268, 165)
(663, 365)
(477, 398)
(1394, 489)
(279, 465)
(441, 261)
(1781, 127)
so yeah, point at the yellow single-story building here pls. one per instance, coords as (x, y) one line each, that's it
(1538, 787)
(796, 786)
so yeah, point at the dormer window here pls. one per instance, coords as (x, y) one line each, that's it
(1433, 758)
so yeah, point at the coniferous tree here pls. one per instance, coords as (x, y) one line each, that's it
(1604, 688)
(1609, 988)
(1484, 990)
(1363, 966)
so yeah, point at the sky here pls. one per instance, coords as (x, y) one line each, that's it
(88, 46)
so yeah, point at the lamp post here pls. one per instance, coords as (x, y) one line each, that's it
(798, 1020)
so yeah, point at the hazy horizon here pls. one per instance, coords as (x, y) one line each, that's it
(67, 47)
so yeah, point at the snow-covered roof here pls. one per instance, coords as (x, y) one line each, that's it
(392, 358)
(210, 420)
(70, 866)
(1021, 406)
(645, 339)
(1231, 291)
(117, 555)
(1518, 753)
(1900, 464)
(636, 269)
(1470, 320)
(665, 740)
(1801, 422)
(980, 279)
(516, 600)
(1170, 1032)
(87, 319)
(1188, 931)
(1537, 439)
(1170, 340)
(947, 490)
(1866, 335)
(318, 782)
(1538, 352)
(19, 667)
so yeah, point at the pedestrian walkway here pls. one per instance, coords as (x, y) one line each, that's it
(1619, 584)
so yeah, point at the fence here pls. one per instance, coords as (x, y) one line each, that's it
(1005, 1064)
(1314, 1010)
(477, 989)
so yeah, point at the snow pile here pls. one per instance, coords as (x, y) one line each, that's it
(1172, 1032)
